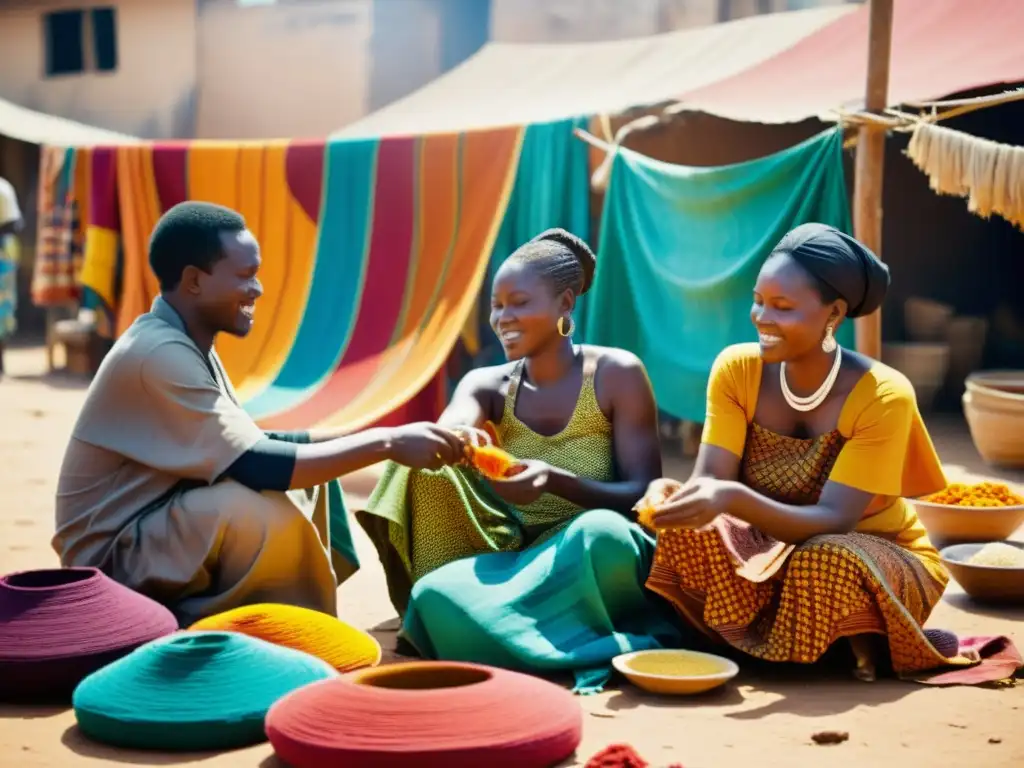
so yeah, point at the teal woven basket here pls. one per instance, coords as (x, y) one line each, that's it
(192, 691)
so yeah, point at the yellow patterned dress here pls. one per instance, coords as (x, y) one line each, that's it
(791, 603)
(548, 586)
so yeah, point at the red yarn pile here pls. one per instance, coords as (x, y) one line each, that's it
(620, 756)
(427, 713)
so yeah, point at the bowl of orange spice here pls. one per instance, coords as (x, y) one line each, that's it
(965, 513)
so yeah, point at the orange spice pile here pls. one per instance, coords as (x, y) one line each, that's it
(976, 495)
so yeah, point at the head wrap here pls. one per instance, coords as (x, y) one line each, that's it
(841, 262)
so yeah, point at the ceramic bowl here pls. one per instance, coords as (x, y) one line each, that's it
(676, 685)
(984, 583)
(950, 524)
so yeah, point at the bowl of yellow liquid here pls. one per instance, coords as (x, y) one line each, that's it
(675, 672)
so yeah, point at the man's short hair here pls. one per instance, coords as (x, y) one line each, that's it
(189, 235)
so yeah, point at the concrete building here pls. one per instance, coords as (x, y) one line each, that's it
(285, 68)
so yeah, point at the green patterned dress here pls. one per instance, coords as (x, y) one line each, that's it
(545, 587)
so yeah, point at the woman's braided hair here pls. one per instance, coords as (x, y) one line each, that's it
(563, 259)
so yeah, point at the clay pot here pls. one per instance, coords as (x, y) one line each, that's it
(996, 423)
(984, 583)
(966, 337)
(925, 319)
(923, 363)
(949, 524)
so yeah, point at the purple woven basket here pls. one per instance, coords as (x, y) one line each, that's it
(59, 625)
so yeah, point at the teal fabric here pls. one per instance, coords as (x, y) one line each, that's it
(551, 189)
(192, 691)
(568, 604)
(350, 169)
(680, 249)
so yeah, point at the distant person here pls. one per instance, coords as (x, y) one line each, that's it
(10, 224)
(168, 485)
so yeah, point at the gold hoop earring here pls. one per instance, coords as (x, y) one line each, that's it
(561, 327)
(828, 344)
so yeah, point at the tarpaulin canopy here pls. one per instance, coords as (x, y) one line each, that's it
(939, 47)
(523, 84)
(34, 127)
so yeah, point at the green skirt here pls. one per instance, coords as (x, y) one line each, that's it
(420, 520)
(570, 603)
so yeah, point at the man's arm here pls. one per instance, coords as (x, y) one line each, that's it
(280, 465)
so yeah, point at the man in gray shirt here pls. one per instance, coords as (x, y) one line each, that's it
(170, 487)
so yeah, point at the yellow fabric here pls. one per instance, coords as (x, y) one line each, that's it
(888, 451)
(342, 646)
(252, 179)
(100, 268)
(287, 239)
(489, 169)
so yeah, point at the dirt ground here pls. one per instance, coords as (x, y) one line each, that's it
(764, 718)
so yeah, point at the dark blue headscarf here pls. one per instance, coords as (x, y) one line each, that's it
(840, 262)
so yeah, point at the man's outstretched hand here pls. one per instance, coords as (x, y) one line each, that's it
(424, 446)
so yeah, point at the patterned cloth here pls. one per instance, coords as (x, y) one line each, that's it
(420, 520)
(59, 241)
(9, 212)
(784, 603)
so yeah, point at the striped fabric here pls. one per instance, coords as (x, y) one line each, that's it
(374, 252)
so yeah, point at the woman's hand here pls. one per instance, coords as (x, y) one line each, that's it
(475, 437)
(524, 484)
(695, 504)
(658, 492)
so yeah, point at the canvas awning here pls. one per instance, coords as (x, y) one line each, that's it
(25, 124)
(939, 47)
(520, 84)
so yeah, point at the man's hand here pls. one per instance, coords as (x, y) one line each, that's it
(424, 446)
(524, 484)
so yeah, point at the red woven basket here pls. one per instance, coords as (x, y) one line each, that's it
(427, 713)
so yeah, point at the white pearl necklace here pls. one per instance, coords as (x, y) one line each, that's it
(815, 399)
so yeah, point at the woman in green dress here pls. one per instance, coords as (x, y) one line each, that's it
(518, 572)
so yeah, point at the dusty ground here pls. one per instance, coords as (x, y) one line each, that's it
(764, 719)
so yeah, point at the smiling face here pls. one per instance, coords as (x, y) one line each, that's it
(525, 310)
(789, 312)
(226, 296)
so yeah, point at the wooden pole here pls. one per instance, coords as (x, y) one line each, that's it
(870, 167)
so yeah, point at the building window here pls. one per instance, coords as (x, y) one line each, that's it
(80, 41)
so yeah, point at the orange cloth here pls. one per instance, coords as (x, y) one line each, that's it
(140, 211)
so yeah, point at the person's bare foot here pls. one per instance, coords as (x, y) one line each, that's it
(863, 652)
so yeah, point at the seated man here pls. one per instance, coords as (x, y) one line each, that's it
(168, 485)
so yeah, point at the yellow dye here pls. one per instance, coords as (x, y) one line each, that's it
(681, 665)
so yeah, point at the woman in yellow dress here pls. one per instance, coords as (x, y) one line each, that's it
(793, 531)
